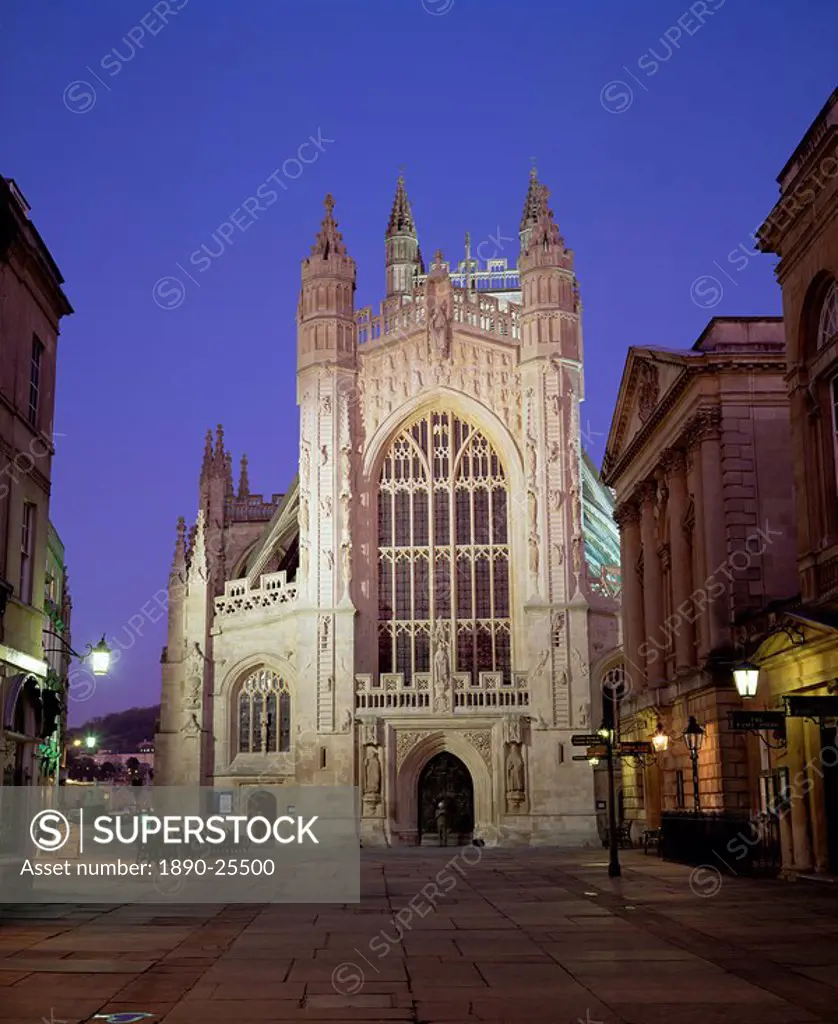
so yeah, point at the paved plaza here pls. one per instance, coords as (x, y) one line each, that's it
(446, 935)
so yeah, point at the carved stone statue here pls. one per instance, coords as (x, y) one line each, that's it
(532, 456)
(305, 463)
(346, 721)
(346, 563)
(515, 772)
(584, 715)
(304, 520)
(438, 332)
(534, 557)
(372, 773)
(442, 669)
(345, 467)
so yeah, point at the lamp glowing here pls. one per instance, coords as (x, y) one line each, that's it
(100, 658)
(746, 677)
(660, 741)
(90, 742)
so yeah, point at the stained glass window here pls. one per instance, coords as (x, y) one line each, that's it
(264, 714)
(443, 549)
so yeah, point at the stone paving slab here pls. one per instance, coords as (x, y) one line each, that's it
(525, 935)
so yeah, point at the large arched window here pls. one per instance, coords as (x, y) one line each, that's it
(264, 714)
(828, 320)
(443, 550)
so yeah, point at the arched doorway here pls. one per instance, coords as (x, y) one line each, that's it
(262, 804)
(446, 778)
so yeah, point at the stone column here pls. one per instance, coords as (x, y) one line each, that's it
(675, 465)
(706, 428)
(627, 516)
(798, 784)
(652, 594)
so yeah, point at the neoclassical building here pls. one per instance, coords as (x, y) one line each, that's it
(428, 610)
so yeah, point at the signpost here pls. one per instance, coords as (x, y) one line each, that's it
(755, 721)
(811, 707)
(633, 748)
(586, 739)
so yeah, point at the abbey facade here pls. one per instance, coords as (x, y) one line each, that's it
(430, 609)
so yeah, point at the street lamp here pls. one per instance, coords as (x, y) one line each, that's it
(694, 737)
(99, 658)
(660, 741)
(746, 677)
(613, 852)
(90, 742)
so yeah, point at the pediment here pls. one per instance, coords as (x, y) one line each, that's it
(649, 377)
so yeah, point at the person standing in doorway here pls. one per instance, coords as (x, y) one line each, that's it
(442, 823)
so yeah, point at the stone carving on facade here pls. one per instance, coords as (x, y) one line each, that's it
(482, 742)
(439, 332)
(372, 781)
(371, 733)
(543, 658)
(324, 454)
(532, 459)
(346, 469)
(706, 423)
(515, 787)
(442, 669)
(648, 390)
(304, 561)
(305, 464)
(534, 555)
(532, 505)
(326, 405)
(513, 729)
(326, 507)
(405, 742)
(346, 722)
(329, 558)
(556, 499)
(323, 632)
(194, 663)
(346, 564)
(192, 726)
(584, 715)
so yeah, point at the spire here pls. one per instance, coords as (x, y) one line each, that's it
(179, 559)
(220, 459)
(206, 466)
(228, 474)
(529, 218)
(244, 482)
(198, 553)
(401, 216)
(545, 231)
(329, 240)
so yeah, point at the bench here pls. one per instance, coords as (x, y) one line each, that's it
(624, 840)
(651, 837)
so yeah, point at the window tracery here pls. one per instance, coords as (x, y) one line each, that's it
(264, 714)
(443, 549)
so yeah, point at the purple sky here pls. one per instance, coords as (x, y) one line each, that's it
(213, 102)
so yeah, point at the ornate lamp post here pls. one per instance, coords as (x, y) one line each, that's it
(694, 737)
(100, 659)
(613, 851)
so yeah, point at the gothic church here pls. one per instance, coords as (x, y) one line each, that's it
(429, 610)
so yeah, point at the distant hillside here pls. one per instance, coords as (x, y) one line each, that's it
(122, 731)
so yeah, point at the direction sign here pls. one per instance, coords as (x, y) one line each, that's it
(634, 747)
(585, 739)
(811, 707)
(753, 721)
(600, 750)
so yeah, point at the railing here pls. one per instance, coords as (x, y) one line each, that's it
(239, 597)
(733, 843)
(391, 691)
(474, 309)
(253, 508)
